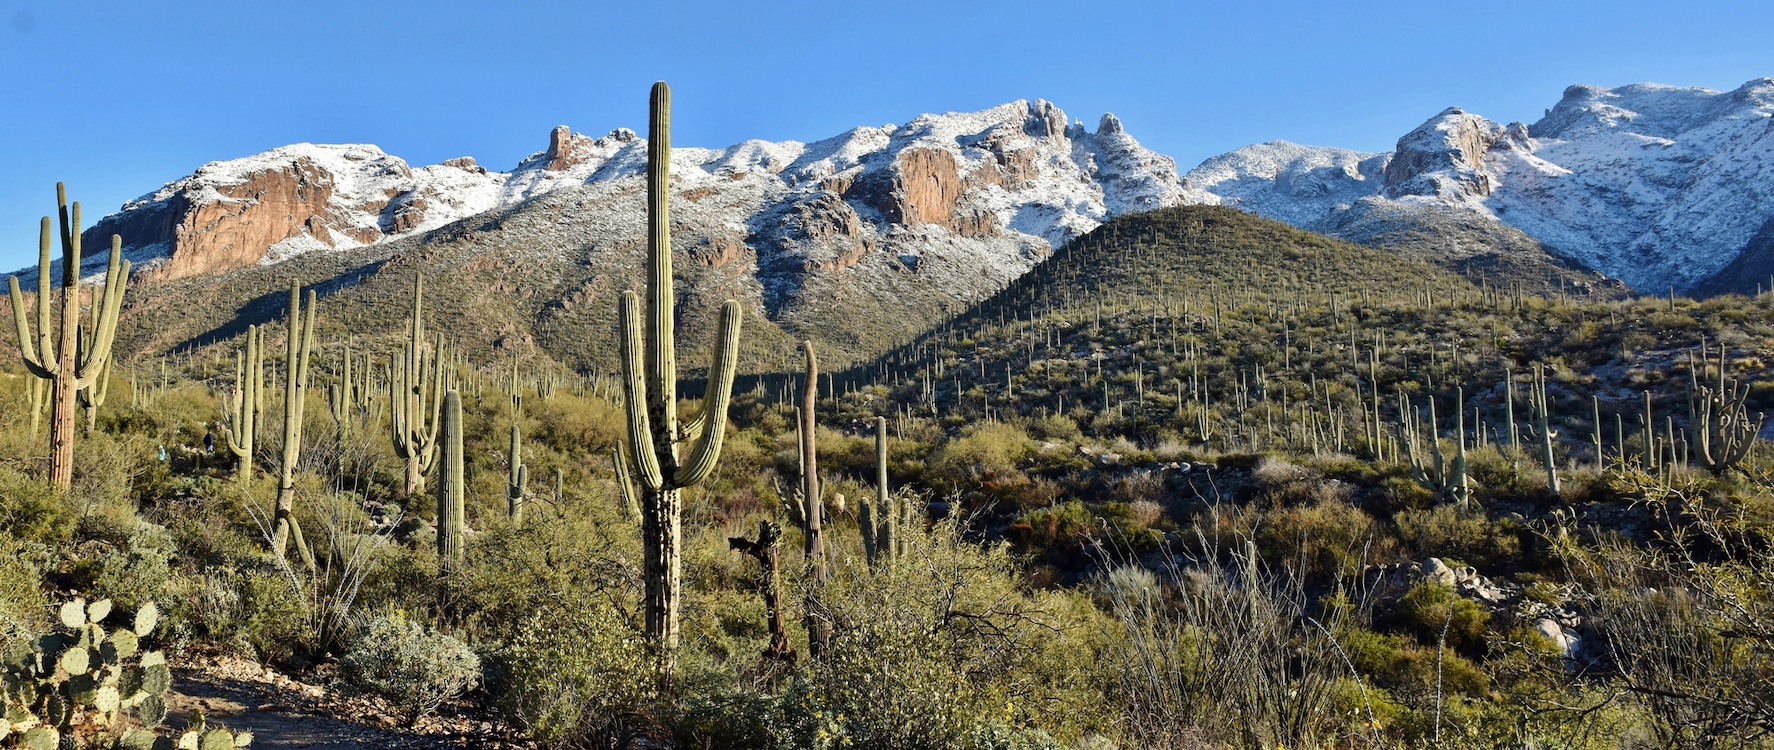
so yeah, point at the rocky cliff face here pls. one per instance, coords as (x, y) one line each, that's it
(980, 196)
(1656, 186)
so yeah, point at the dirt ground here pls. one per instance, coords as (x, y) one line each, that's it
(283, 713)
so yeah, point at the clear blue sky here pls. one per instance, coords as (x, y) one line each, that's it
(116, 98)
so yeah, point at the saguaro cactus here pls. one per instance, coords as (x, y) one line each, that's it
(1543, 432)
(1722, 421)
(515, 481)
(249, 380)
(812, 506)
(879, 519)
(62, 360)
(451, 518)
(649, 369)
(300, 342)
(415, 381)
(1441, 475)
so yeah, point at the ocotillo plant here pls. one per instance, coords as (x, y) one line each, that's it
(515, 481)
(61, 359)
(414, 384)
(249, 379)
(649, 369)
(300, 341)
(451, 518)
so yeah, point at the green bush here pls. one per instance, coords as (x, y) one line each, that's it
(576, 674)
(31, 509)
(408, 664)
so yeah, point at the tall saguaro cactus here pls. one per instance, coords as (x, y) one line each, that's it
(649, 370)
(515, 481)
(451, 517)
(61, 358)
(879, 520)
(249, 380)
(415, 385)
(295, 400)
(813, 507)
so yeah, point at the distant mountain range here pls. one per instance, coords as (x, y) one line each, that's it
(1659, 186)
(865, 239)
(1655, 185)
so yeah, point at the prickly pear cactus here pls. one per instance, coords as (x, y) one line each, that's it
(71, 688)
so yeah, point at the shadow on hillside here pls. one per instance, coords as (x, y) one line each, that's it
(272, 307)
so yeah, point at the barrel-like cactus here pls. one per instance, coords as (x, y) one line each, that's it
(649, 369)
(68, 363)
(249, 380)
(516, 479)
(299, 332)
(450, 486)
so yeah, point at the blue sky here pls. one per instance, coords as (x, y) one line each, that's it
(116, 98)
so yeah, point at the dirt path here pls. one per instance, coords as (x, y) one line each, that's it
(284, 714)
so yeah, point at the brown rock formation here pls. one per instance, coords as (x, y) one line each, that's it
(925, 187)
(267, 208)
(565, 148)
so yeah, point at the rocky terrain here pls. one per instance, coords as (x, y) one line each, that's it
(1657, 186)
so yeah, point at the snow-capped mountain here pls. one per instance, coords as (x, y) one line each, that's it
(1656, 185)
(992, 191)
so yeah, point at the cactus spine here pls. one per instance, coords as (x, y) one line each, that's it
(450, 487)
(300, 341)
(62, 360)
(249, 380)
(520, 475)
(649, 369)
(415, 382)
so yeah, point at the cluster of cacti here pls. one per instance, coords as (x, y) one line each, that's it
(299, 334)
(1541, 408)
(350, 398)
(649, 369)
(70, 361)
(1444, 476)
(1720, 420)
(70, 689)
(518, 477)
(880, 519)
(451, 487)
(248, 402)
(417, 380)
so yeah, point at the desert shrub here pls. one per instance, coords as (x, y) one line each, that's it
(31, 509)
(1431, 609)
(576, 674)
(408, 664)
(133, 570)
(1328, 537)
(1447, 531)
(935, 649)
(22, 601)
